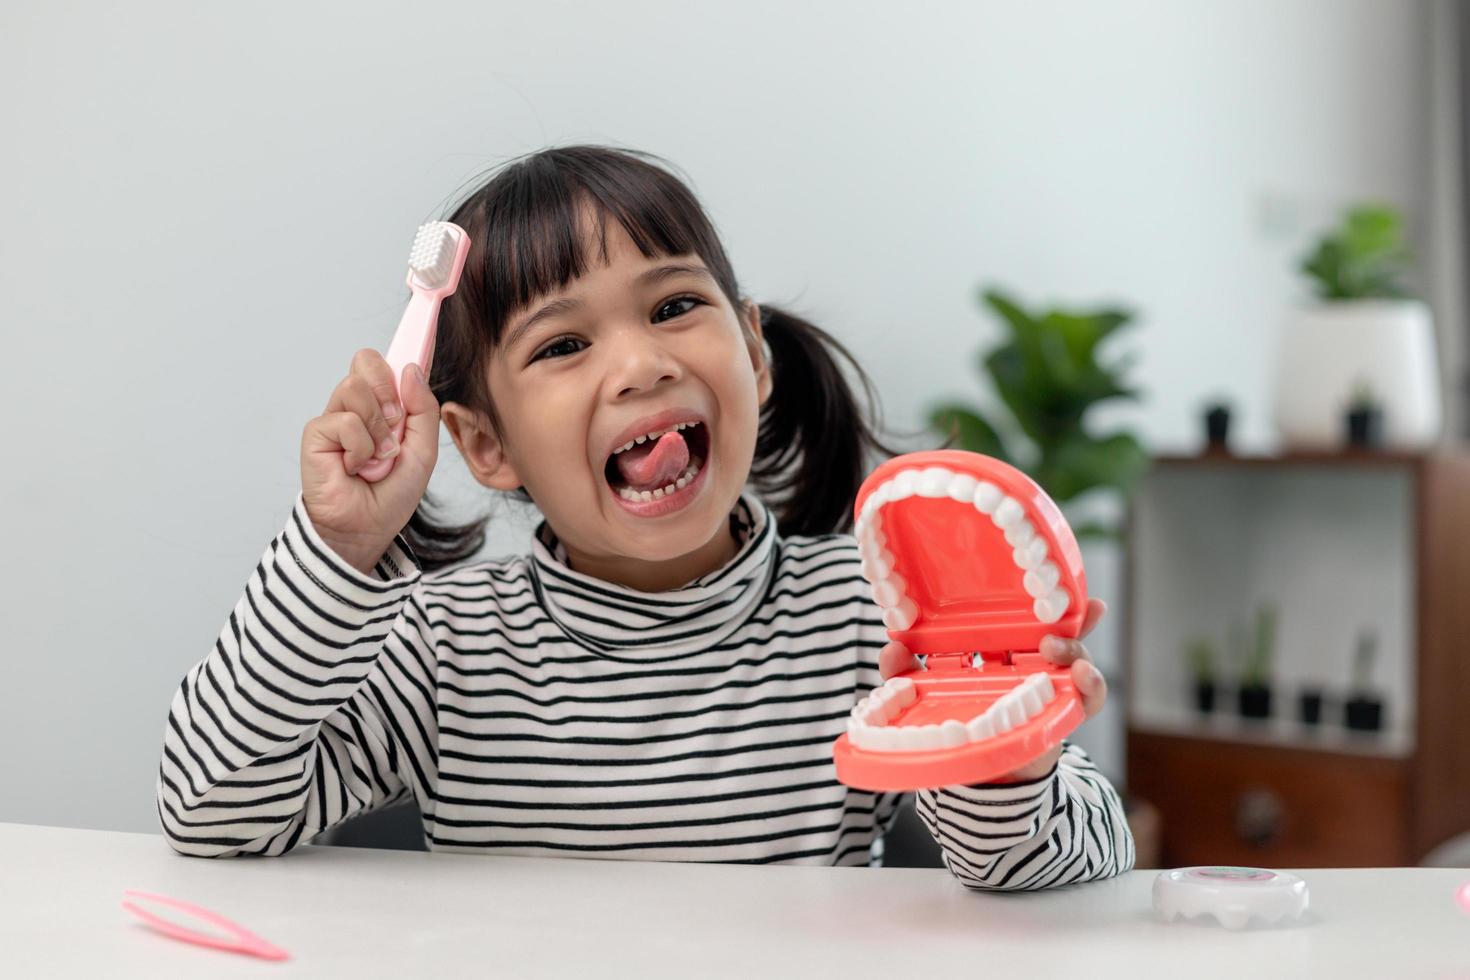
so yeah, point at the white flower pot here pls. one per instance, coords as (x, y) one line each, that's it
(1327, 350)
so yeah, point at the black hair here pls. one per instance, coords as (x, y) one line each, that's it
(527, 241)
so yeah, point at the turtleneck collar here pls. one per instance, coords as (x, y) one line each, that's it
(625, 624)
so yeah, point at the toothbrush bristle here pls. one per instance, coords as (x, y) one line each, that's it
(432, 256)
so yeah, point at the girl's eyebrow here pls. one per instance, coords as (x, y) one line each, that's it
(565, 305)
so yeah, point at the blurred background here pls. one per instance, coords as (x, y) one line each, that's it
(1197, 265)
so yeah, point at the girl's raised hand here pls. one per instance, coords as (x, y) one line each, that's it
(356, 518)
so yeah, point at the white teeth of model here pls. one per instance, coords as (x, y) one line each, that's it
(987, 497)
(903, 484)
(962, 488)
(1020, 533)
(1051, 608)
(888, 591)
(924, 737)
(1044, 687)
(901, 616)
(952, 733)
(1031, 554)
(980, 727)
(1031, 699)
(1040, 581)
(933, 482)
(1009, 511)
(904, 692)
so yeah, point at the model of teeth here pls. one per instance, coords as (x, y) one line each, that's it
(870, 726)
(1040, 577)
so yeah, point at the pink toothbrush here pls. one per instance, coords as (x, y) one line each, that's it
(242, 941)
(434, 266)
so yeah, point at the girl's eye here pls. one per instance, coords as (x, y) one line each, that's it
(693, 301)
(561, 344)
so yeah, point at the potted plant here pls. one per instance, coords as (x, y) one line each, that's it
(1309, 704)
(1254, 693)
(1364, 327)
(1364, 417)
(1363, 711)
(1200, 653)
(1048, 377)
(1217, 426)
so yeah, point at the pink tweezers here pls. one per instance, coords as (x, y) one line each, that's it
(245, 941)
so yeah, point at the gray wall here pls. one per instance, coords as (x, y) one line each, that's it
(206, 210)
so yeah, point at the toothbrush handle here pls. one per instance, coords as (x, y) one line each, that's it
(413, 343)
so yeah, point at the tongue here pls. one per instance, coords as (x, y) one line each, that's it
(652, 465)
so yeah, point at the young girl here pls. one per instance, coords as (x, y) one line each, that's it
(663, 676)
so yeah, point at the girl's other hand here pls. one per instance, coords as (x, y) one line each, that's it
(356, 518)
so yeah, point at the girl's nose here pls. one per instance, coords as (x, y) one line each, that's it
(641, 363)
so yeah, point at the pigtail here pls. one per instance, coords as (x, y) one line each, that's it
(815, 442)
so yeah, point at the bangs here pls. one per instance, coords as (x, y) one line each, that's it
(534, 226)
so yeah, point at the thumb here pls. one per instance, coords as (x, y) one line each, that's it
(421, 412)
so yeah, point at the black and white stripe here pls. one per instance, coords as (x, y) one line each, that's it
(532, 709)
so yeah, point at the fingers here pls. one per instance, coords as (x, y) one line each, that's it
(895, 659)
(368, 391)
(421, 430)
(342, 432)
(1091, 685)
(1095, 610)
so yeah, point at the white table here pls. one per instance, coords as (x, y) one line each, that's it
(353, 912)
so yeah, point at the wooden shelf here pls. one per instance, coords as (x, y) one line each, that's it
(1354, 538)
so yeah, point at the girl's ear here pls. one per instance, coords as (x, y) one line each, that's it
(759, 353)
(482, 449)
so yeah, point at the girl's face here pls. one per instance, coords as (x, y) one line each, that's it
(634, 347)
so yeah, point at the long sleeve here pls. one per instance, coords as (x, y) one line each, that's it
(316, 703)
(1068, 826)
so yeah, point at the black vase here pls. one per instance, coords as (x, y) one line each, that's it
(1363, 714)
(1309, 707)
(1204, 696)
(1217, 427)
(1364, 427)
(1254, 701)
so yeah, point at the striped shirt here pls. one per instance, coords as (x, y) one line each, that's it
(530, 709)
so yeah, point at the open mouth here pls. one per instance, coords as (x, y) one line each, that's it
(658, 464)
(877, 724)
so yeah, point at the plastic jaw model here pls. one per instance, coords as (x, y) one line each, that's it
(972, 564)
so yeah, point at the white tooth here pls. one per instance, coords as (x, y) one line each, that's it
(962, 488)
(1020, 533)
(1030, 700)
(888, 592)
(987, 497)
(980, 727)
(1017, 709)
(1008, 512)
(640, 440)
(904, 692)
(900, 617)
(952, 733)
(870, 506)
(865, 737)
(904, 484)
(917, 738)
(1044, 687)
(884, 494)
(1051, 608)
(658, 494)
(859, 709)
(1041, 579)
(884, 739)
(682, 482)
(933, 481)
(645, 496)
(1030, 554)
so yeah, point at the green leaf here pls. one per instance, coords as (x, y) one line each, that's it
(1078, 465)
(972, 432)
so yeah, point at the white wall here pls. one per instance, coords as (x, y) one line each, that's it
(206, 210)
